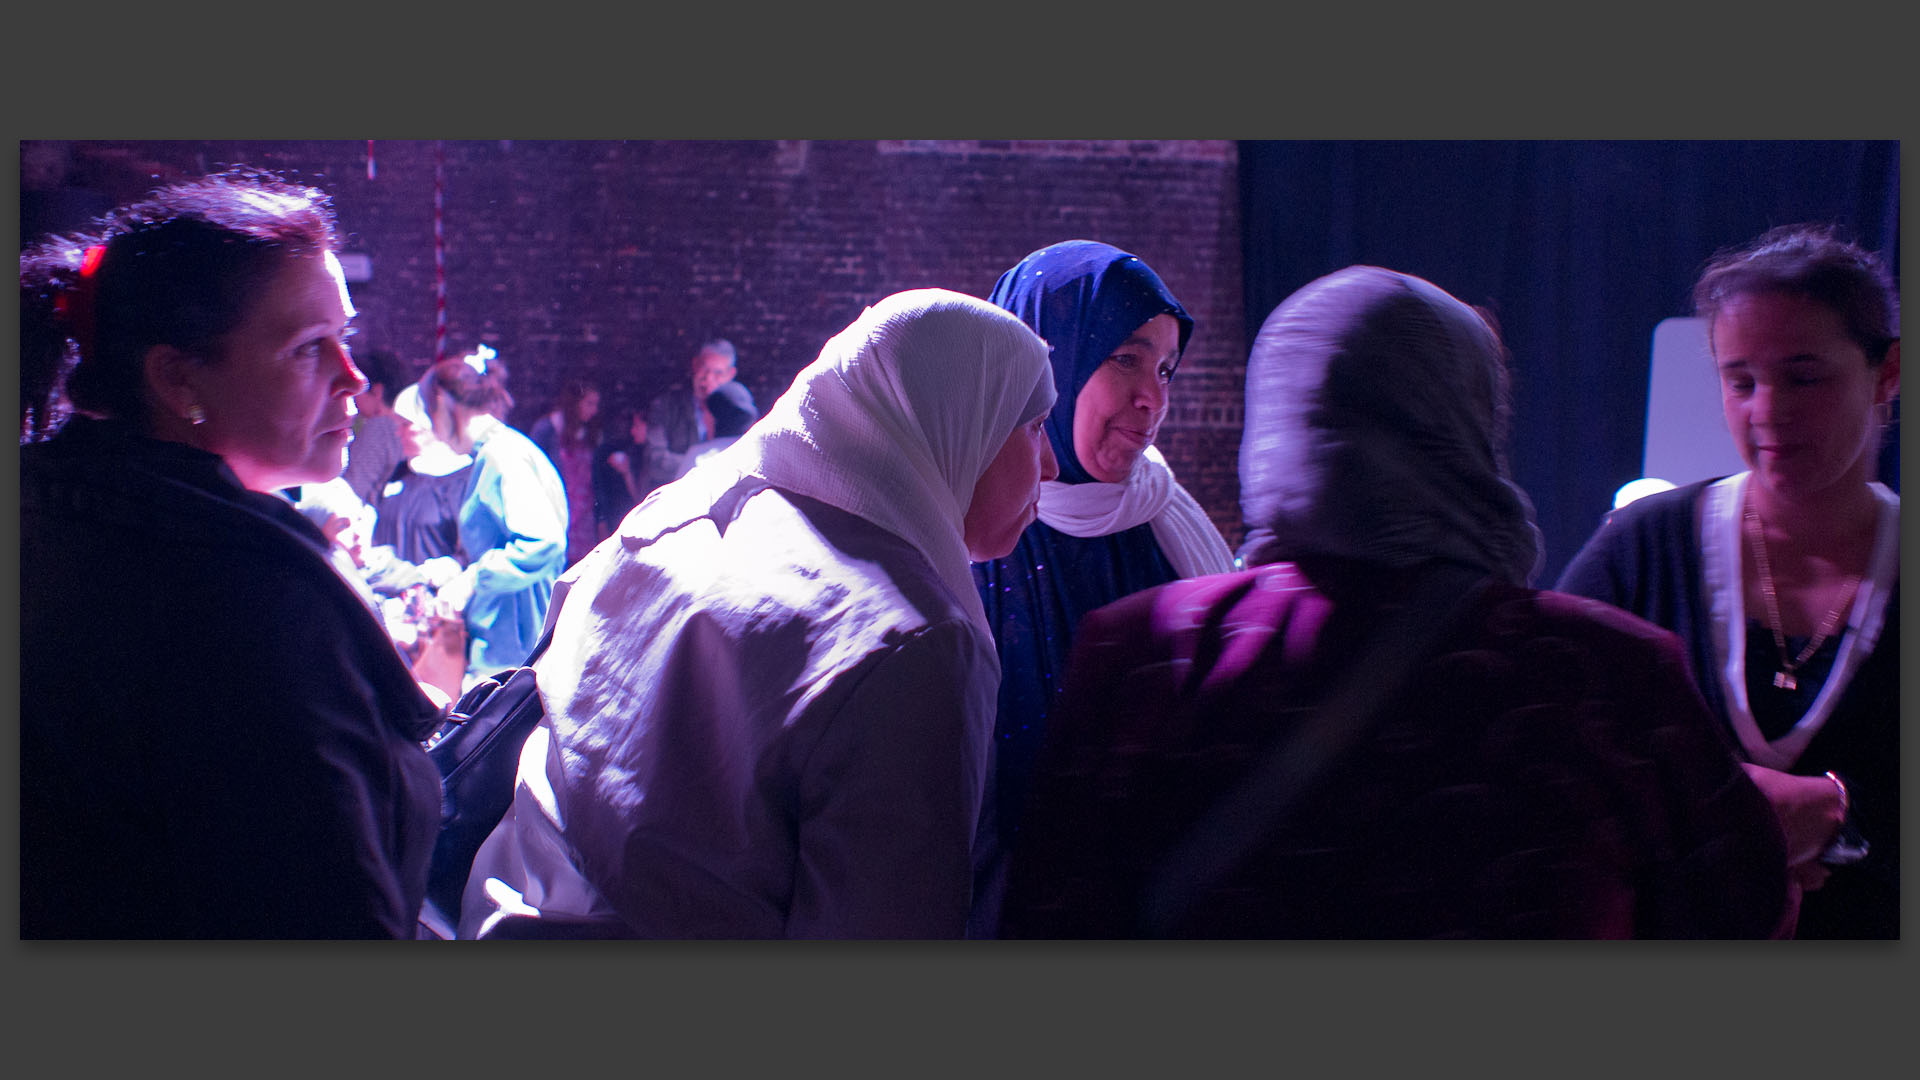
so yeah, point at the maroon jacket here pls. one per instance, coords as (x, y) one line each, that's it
(1549, 772)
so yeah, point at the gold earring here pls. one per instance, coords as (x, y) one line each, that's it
(196, 415)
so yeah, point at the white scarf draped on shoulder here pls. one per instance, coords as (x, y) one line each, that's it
(1150, 494)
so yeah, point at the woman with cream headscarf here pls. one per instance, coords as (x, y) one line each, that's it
(1541, 768)
(769, 695)
(1114, 523)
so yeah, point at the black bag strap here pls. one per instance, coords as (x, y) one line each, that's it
(477, 765)
(461, 711)
(546, 639)
(1249, 811)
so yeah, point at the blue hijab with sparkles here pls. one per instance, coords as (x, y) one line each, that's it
(1084, 298)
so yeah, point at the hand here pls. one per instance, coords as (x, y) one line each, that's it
(334, 526)
(401, 627)
(446, 637)
(1810, 810)
(442, 662)
(452, 598)
(440, 570)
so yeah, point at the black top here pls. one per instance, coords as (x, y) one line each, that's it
(1646, 559)
(217, 738)
(419, 515)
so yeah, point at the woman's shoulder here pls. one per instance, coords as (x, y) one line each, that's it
(230, 580)
(158, 495)
(1668, 509)
(1655, 534)
(1213, 604)
(1171, 619)
(1522, 614)
(502, 446)
(886, 578)
(721, 538)
(799, 593)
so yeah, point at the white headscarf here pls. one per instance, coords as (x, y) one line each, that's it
(1086, 298)
(1187, 537)
(898, 418)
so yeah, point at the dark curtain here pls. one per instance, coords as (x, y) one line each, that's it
(1579, 248)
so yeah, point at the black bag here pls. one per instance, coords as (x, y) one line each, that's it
(477, 749)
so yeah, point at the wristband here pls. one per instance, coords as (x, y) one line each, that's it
(1846, 801)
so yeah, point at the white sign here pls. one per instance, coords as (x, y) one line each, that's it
(1687, 436)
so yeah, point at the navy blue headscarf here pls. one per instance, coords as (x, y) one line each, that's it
(1084, 298)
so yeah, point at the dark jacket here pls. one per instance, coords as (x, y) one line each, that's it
(218, 739)
(1549, 772)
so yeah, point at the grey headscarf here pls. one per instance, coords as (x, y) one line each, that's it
(1375, 408)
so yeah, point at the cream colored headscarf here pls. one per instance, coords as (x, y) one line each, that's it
(898, 418)
(1374, 402)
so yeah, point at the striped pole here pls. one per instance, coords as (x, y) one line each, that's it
(439, 253)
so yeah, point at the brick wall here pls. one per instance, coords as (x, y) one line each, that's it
(611, 261)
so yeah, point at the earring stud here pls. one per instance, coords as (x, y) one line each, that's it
(196, 415)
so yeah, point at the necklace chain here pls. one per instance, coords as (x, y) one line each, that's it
(1784, 678)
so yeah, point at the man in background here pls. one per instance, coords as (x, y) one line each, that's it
(680, 418)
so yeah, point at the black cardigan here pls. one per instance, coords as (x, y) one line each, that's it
(1646, 560)
(218, 739)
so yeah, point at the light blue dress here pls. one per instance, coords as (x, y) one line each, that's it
(513, 528)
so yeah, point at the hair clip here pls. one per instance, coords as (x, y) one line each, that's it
(74, 304)
(477, 359)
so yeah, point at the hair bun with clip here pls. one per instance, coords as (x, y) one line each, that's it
(477, 359)
(74, 305)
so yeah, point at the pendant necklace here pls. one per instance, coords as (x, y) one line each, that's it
(1784, 678)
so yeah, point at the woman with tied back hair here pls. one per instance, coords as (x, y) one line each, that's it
(769, 695)
(1114, 523)
(1784, 580)
(217, 737)
(1542, 769)
(512, 520)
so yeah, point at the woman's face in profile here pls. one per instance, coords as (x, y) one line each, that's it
(1119, 410)
(1007, 496)
(1797, 392)
(279, 397)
